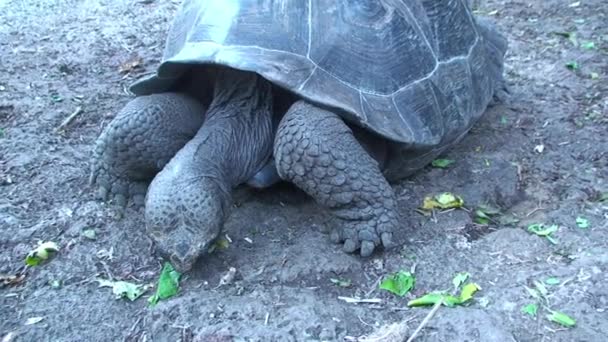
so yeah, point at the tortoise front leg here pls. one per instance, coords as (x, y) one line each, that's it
(316, 151)
(139, 141)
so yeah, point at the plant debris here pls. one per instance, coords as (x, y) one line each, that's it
(530, 309)
(399, 283)
(168, 284)
(442, 163)
(124, 289)
(42, 253)
(11, 280)
(445, 200)
(544, 231)
(561, 319)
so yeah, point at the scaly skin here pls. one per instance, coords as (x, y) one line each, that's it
(139, 141)
(189, 200)
(316, 151)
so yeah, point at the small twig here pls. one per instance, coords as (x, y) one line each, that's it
(69, 119)
(266, 319)
(358, 300)
(425, 321)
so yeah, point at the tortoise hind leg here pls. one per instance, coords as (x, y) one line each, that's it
(139, 141)
(315, 150)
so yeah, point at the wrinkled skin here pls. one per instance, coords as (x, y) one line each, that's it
(188, 201)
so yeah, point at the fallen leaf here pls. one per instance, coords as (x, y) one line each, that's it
(540, 230)
(588, 45)
(442, 163)
(124, 289)
(530, 310)
(42, 253)
(582, 222)
(432, 299)
(448, 300)
(572, 65)
(459, 279)
(399, 283)
(168, 284)
(33, 320)
(561, 318)
(444, 200)
(468, 291)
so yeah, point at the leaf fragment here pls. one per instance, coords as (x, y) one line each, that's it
(442, 163)
(459, 279)
(33, 320)
(41, 254)
(468, 291)
(572, 65)
(398, 283)
(540, 229)
(124, 289)
(552, 281)
(530, 309)
(588, 45)
(561, 319)
(168, 284)
(445, 200)
(582, 222)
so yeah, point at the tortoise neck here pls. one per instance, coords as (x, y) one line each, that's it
(236, 139)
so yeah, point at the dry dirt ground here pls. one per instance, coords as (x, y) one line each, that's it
(541, 156)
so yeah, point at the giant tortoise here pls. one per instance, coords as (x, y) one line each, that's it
(338, 97)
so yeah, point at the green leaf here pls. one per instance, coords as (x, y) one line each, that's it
(89, 234)
(168, 284)
(540, 229)
(123, 289)
(448, 300)
(573, 65)
(398, 283)
(530, 309)
(445, 200)
(588, 45)
(42, 253)
(459, 279)
(434, 298)
(582, 222)
(468, 291)
(340, 282)
(561, 318)
(442, 163)
(483, 214)
(552, 281)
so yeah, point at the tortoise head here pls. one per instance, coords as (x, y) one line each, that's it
(184, 216)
